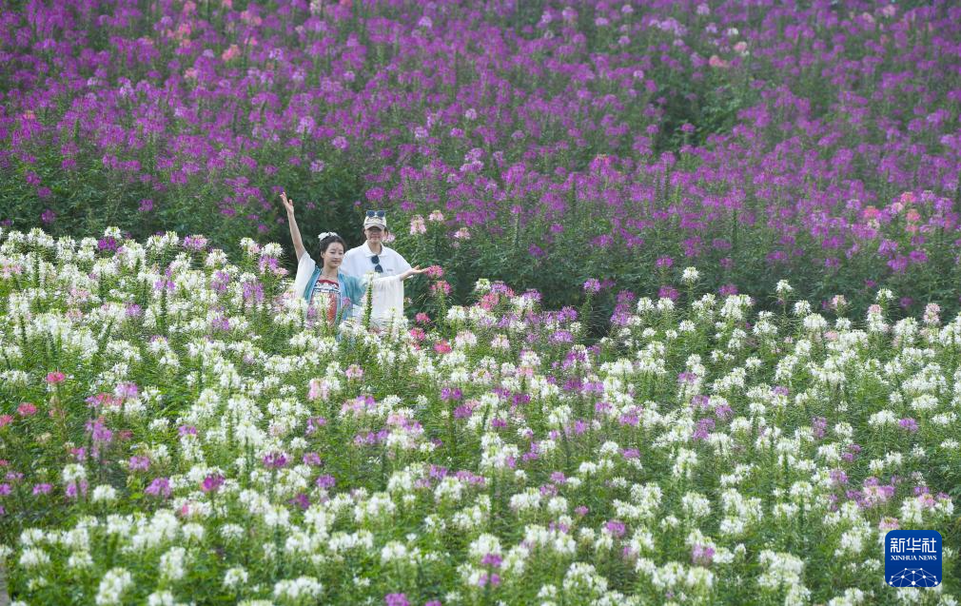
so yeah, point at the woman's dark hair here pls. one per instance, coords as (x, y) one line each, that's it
(331, 239)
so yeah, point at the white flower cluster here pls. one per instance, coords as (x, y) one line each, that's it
(494, 455)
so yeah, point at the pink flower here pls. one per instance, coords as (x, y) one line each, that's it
(440, 287)
(26, 409)
(435, 271)
(417, 225)
(318, 389)
(717, 62)
(54, 378)
(230, 53)
(442, 347)
(354, 372)
(888, 523)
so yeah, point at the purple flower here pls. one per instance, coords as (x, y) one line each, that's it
(668, 292)
(160, 487)
(76, 489)
(818, 425)
(592, 285)
(702, 555)
(212, 483)
(275, 460)
(301, 500)
(138, 463)
(326, 481)
(703, 430)
(839, 477)
(396, 599)
(450, 393)
(616, 528)
(908, 424)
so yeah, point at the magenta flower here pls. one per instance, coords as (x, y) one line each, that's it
(396, 599)
(212, 483)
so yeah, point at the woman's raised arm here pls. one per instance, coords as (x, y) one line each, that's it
(294, 230)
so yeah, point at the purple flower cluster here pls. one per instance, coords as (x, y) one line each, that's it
(681, 134)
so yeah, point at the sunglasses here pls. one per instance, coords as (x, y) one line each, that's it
(376, 261)
(377, 213)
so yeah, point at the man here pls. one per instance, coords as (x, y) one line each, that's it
(384, 262)
(372, 255)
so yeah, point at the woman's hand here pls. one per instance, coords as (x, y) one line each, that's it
(413, 271)
(288, 204)
(292, 223)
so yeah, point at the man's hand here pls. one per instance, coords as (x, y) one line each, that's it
(413, 271)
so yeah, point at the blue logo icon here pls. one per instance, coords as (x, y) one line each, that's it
(912, 558)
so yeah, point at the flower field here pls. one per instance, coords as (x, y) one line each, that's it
(181, 433)
(690, 332)
(812, 141)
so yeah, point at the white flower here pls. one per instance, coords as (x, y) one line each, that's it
(172, 564)
(296, 589)
(104, 493)
(113, 585)
(690, 275)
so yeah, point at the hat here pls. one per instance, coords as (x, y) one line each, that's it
(375, 218)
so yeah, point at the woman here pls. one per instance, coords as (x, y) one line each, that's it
(330, 293)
